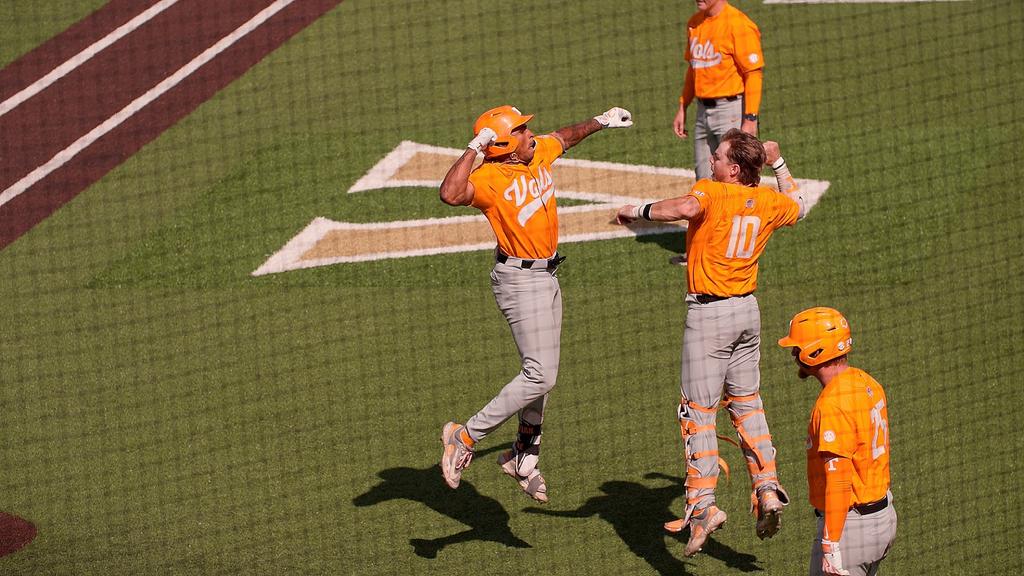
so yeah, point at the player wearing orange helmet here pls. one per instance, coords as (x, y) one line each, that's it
(730, 220)
(847, 449)
(515, 190)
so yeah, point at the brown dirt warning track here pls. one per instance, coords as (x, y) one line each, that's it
(68, 134)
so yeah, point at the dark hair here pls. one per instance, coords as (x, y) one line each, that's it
(748, 153)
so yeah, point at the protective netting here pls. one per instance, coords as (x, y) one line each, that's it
(235, 315)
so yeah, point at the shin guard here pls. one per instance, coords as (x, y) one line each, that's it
(526, 448)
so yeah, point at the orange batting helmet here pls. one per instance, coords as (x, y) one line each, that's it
(503, 120)
(820, 333)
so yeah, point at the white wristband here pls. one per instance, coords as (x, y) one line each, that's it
(778, 163)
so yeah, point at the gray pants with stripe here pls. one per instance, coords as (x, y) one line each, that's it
(531, 301)
(721, 355)
(865, 543)
(709, 127)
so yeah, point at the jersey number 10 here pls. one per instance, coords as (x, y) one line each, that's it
(743, 236)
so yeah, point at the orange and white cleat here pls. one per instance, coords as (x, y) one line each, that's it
(702, 524)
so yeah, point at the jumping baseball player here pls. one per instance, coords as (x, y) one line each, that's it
(723, 50)
(730, 221)
(515, 190)
(847, 449)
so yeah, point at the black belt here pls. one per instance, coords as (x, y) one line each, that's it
(712, 102)
(709, 298)
(863, 509)
(549, 264)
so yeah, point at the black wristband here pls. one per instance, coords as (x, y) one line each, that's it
(645, 211)
(750, 117)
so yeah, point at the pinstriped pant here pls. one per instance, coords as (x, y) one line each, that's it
(865, 542)
(721, 355)
(709, 127)
(531, 301)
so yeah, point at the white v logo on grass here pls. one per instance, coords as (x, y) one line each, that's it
(607, 185)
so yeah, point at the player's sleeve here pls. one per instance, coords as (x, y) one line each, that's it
(549, 148)
(746, 43)
(838, 494)
(483, 191)
(837, 432)
(703, 192)
(787, 210)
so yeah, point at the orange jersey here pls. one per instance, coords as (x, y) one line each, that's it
(725, 240)
(850, 419)
(721, 50)
(519, 202)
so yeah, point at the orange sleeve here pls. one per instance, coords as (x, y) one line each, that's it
(838, 494)
(747, 47)
(752, 91)
(836, 433)
(702, 193)
(549, 147)
(483, 193)
(688, 90)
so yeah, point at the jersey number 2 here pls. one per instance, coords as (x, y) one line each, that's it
(743, 236)
(881, 429)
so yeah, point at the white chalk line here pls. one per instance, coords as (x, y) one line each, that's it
(65, 155)
(84, 56)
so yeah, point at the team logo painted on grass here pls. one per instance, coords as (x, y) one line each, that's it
(605, 185)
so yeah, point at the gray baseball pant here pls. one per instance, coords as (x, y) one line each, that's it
(721, 354)
(711, 124)
(865, 542)
(531, 301)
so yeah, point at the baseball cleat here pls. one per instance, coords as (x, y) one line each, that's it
(675, 526)
(702, 525)
(456, 456)
(769, 517)
(533, 484)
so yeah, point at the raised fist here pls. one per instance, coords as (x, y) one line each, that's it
(615, 118)
(482, 140)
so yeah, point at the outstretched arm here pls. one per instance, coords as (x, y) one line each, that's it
(681, 208)
(573, 135)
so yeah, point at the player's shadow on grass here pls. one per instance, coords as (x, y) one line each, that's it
(674, 242)
(486, 518)
(637, 513)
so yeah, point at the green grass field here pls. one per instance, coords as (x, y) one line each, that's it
(164, 412)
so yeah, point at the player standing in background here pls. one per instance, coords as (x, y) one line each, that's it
(515, 190)
(724, 74)
(847, 449)
(730, 221)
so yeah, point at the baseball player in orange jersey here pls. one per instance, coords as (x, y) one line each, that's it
(847, 449)
(723, 50)
(730, 221)
(515, 190)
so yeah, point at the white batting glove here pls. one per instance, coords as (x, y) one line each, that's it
(832, 560)
(482, 140)
(615, 118)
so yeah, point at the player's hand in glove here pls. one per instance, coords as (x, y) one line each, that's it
(615, 118)
(627, 215)
(832, 560)
(482, 140)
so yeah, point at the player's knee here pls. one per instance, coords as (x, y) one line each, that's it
(539, 376)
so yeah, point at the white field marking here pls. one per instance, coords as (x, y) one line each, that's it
(84, 56)
(382, 175)
(854, 1)
(141, 102)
